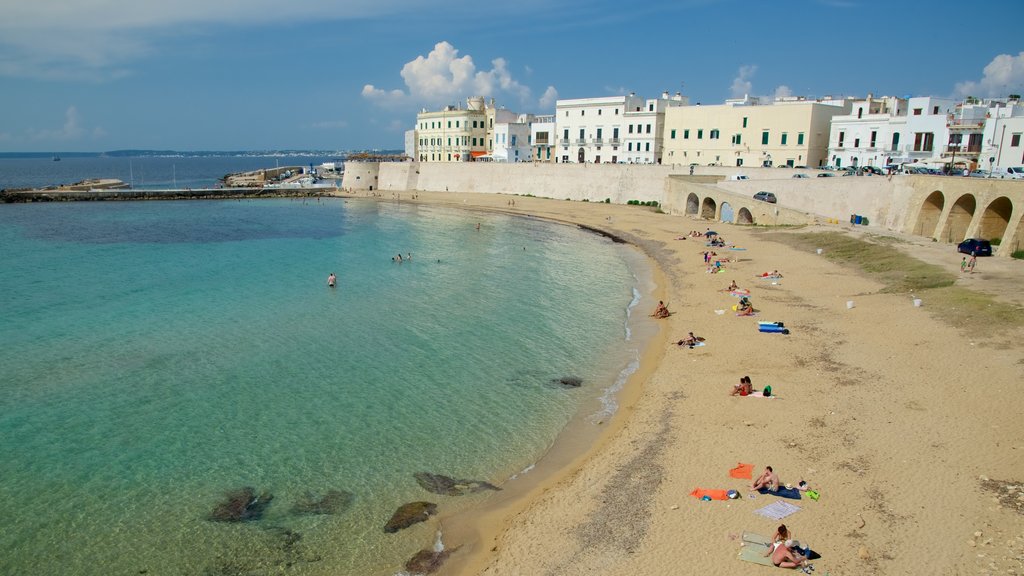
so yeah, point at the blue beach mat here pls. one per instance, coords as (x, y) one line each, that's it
(791, 493)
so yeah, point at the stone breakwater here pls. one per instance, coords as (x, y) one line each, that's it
(14, 196)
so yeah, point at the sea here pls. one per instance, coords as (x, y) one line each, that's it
(158, 355)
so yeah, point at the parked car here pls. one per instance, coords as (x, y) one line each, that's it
(975, 247)
(978, 174)
(873, 170)
(738, 177)
(1011, 172)
(765, 197)
(800, 175)
(825, 175)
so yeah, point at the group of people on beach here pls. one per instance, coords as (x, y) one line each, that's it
(785, 552)
(968, 265)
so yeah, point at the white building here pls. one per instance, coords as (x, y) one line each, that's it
(616, 129)
(870, 135)
(512, 140)
(1001, 140)
(542, 138)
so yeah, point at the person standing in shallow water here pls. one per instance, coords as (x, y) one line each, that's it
(332, 280)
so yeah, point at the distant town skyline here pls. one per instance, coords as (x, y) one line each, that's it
(317, 74)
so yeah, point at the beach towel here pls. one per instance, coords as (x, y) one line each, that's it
(741, 314)
(760, 394)
(695, 345)
(783, 492)
(753, 547)
(777, 510)
(740, 293)
(700, 493)
(736, 248)
(742, 471)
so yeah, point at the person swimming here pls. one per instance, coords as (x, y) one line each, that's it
(332, 280)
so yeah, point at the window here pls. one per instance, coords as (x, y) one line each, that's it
(1015, 140)
(895, 141)
(935, 110)
(449, 123)
(615, 133)
(581, 133)
(686, 134)
(842, 136)
(650, 107)
(874, 137)
(784, 136)
(616, 111)
(599, 134)
(715, 134)
(673, 135)
(598, 111)
(648, 128)
(860, 112)
(764, 137)
(630, 128)
(629, 147)
(923, 141)
(856, 142)
(917, 111)
(474, 141)
(513, 140)
(744, 121)
(647, 146)
(456, 123)
(565, 136)
(700, 133)
(736, 139)
(800, 139)
(583, 112)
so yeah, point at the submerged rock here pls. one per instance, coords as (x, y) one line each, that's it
(409, 514)
(241, 505)
(334, 502)
(570, 381)
(426, 561)
(447, 486)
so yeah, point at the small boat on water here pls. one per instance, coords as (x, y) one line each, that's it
(56, 158)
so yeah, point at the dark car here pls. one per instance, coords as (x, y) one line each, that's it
(825, 175)
(975, 247)
(765, 197)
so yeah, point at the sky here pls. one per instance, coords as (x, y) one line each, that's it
(101, 75)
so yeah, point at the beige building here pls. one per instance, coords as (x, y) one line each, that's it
(457, 134)
(744, 132)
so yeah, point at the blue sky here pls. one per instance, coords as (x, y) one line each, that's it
(94, 75)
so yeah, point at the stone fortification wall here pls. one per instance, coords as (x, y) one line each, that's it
(361, 176)
(593, 182)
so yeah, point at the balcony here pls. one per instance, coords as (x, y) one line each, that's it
(599, 141)
(614, 141)
(964, 151)
(580, 141)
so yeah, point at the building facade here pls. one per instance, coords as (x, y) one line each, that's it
(744, 132)
(870, 135)
(542, 139)
(616, 129)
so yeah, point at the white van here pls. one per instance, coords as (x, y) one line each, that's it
(735, 177)
(1011, 172)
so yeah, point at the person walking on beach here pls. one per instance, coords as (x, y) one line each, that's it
(971, 263)
(332, 280)
(963, 265)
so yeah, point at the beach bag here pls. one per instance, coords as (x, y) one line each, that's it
(767, 391)
(813, 495)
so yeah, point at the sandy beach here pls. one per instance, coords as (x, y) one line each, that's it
(905, 422)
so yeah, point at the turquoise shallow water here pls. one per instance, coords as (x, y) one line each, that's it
(156, 355)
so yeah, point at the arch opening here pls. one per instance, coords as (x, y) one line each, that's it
(708, 209)
(727, 213)
(959, 219)
(995, 219)
(744, 216)
(931, 211)
(692, 204)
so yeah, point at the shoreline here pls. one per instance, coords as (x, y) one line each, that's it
(848, 381)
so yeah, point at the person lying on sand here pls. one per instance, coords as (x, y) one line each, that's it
(768, 479)
(731, 287)
(661, 311)
(744, 388)
(772, 274)
(690, 340)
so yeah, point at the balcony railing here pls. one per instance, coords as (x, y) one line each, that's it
(581, 141)
(614, 141)
(598, 141)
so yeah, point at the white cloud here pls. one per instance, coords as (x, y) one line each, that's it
(1002, 76)
(442, 76)
(548, 99)
(741, 84)
(616, 90)
(71, 130)
(783, 91)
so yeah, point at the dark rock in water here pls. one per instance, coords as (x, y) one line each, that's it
(334, 502)
(426, 561)
(570, 381)
(241, 505)
(439, 484)
(409, 514)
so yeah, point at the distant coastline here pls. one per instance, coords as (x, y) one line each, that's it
(190, 153)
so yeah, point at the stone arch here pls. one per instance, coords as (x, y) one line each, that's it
(727, 213)
(692, 204)
(959, 219)
(995, 219)
(744, 216)
(930, 213)
(708, 208)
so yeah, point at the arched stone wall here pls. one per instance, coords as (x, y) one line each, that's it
(708, 208)
(930, 214)
(692, 204)
(995, 219)
(959, 219)
(744, 216)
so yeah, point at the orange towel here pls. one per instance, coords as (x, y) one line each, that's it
(742, 471)
(713, 494)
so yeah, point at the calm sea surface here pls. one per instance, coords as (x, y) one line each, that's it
(158, 354)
